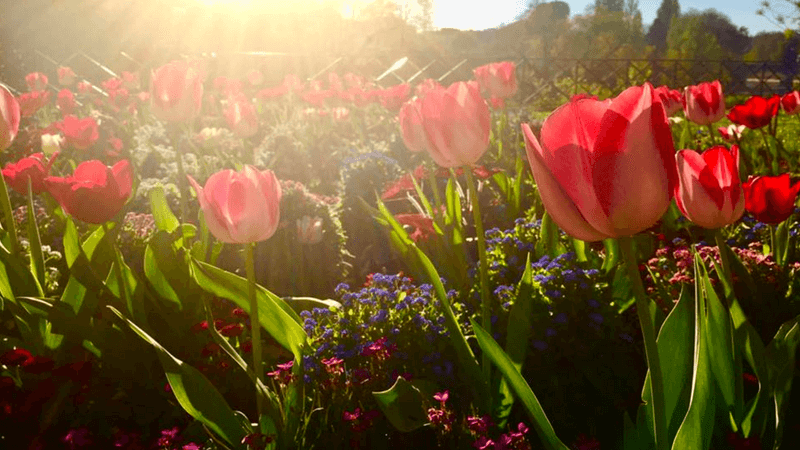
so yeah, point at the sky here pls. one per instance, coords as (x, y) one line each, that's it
(482, 14)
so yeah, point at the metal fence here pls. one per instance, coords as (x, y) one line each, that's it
(543, 82)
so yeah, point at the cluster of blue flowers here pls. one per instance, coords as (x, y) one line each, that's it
(377, 328)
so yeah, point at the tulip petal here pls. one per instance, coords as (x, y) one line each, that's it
(632, 153)
(211, 212)
(561, 208)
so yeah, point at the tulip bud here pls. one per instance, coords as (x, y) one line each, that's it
(605, 168)
(770, 199)
(309, 231)
(36, 81)
(94, 193)
(9, 118)
(176, 92)
(710, 193)
(756, 112)
(497, 79)
(240, 207)
(704, 104)
(791, 103)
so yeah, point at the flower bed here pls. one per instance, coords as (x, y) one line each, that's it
(219, 264)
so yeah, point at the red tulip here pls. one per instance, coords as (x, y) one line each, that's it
(240, 207)
(605, 168)
(37, 81)
(241, 116)
(710, 193)
(9, 118)
(413, 131)
(255, 77)
(94, 193)
(756, 112)
(393, 98)
(176, 92)
(131, 80)
(33, 167)
(30, 102)
(79, 133)
(791, 103)
(422, 225)
(770, 199)
(704, 104)
(497, 79)
(457, 124)
(65, 101)
(65, 76)
(671, 98)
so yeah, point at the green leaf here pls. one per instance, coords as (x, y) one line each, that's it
(278, 318)
(698, 425)
(35, 243)
(520, 387)
(719, 336)
(194, 392)
(517, 337)
(780, 356)
(163, 216)
(308, 303)
(676, 351)
(403, 405)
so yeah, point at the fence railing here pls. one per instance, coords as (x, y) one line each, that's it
(543, 82)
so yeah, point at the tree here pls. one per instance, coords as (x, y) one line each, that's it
(734, 41)
(610, 5)
(657, 35)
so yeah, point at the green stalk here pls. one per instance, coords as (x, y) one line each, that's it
(651, 350)
(437, 198)
(255, 325)
(10, 225)
(486, 322)
(711, 134)
(123, 293)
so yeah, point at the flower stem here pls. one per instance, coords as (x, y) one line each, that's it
(182, 182)
(486, 322)
(651, 350)
(255, 325)
(10, 225)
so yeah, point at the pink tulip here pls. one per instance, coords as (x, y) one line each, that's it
(241, 116)
(671, 98)
(791, 103)
(731, 133)
(9, 118)
(66, 101)
(457, 124)
(704, 104)
(413, 132)
(605, 168)
(240, 207)
(176, 92)
(497, 79)
(710, 193)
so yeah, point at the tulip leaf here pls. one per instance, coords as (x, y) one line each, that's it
(675, 349)
(194, 392)
(781, 249)
(520, 387)
(698, 425)
(719, 336)
(780, 356)
(278, 318)
(518, 332)
(35, 243)
(163, 216)
(403, 405)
